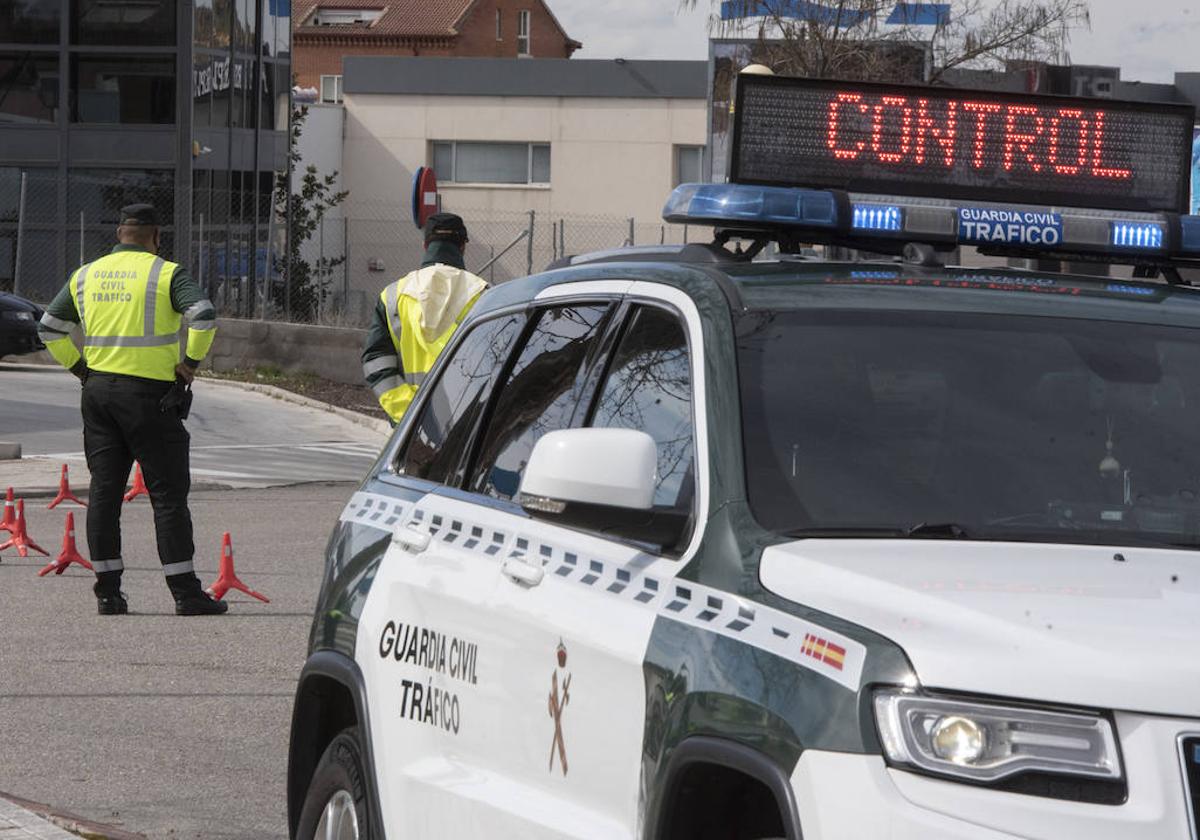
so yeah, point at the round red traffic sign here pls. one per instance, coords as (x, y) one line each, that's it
(424, 195)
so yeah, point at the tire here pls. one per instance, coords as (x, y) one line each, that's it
(338, 793)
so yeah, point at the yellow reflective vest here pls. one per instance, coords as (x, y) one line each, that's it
(124, 305)
(424, 308)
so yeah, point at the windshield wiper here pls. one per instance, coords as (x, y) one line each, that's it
(938, 531)
(922, 530)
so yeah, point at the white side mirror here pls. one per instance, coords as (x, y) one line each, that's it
(610, 467)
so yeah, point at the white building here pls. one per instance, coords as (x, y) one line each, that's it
(586, 145)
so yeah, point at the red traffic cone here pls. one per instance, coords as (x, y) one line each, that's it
(20, 536)
(226, 577)
(9, 522)
(69, 554)
(64, 492)
(139, 484)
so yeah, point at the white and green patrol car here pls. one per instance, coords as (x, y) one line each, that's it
(674, 544)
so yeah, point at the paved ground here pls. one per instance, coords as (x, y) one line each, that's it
(238, 438)
(172, 727)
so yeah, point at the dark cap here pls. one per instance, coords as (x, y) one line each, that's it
(445, 226)
(139, 214)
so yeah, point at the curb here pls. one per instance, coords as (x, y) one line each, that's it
(383, 427)
(33, 367)
(373, 423)
(49, 492)
(66, 822)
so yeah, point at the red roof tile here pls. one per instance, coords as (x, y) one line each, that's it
(400, 18)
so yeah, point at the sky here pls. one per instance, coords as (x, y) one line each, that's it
(1148, 39)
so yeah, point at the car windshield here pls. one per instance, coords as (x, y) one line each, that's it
(971, 426)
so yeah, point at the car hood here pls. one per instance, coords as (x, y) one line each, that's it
(13, 303)
(1058, 623)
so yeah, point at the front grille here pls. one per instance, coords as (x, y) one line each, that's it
(1189, 757)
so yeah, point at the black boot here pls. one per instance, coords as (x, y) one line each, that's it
(199, 603)
(190, 597)
(110, 601)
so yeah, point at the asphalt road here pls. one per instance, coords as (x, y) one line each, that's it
(172, 727)
(238, 436)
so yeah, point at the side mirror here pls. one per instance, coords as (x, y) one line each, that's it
(600, 480)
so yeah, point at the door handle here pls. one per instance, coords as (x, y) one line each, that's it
(411, 538)
(522, 572)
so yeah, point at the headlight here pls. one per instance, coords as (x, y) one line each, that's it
(986, 742)
(18, 315)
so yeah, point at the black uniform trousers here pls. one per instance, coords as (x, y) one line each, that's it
(122, 422)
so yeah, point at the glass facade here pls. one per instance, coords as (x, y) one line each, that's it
(93, 91)
(131, 90)
(132, 23)
(29, 85)
(30, 21)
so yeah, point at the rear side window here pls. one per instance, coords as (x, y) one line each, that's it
(540, 395)
(436, 446)
(649, 387)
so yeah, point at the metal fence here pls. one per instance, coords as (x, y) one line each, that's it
(336, 274)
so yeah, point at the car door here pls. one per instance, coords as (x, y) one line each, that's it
(573, 611)
(423, 641)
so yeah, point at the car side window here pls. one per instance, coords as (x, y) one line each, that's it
(436, 445)
(649, 387)
(540, 395)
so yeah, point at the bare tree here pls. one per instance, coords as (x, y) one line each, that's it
(885, 41)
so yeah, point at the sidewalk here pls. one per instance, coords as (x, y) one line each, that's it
(21, 819)
(18, 824)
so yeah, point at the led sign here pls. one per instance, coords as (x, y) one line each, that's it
(959, 144)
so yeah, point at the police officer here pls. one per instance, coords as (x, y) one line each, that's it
(129, 305)
(417, 315)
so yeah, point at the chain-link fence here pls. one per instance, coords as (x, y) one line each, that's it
(48, 228)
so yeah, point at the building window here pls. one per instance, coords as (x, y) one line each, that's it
(99, 194)
(28, 87)
(41, 194)
(331, 88)
(344, 17)
(491, 163)
(243, 26)
(523, 32)
(499, 27)
(687, 164)
(122, 89)
(29, 21)
(123, 22)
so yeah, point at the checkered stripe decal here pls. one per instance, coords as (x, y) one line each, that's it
(809, 645)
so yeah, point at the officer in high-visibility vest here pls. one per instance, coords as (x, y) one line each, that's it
(417, 315)
(129, 305)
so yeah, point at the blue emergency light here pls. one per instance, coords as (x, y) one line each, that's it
(877, 167)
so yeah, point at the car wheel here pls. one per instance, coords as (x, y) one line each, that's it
(336, 806)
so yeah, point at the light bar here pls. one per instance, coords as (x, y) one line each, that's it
(731, 204)
(1137, 234)
(876, 217)
(865, 221)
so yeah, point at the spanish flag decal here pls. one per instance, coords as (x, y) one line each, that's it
(823, 651)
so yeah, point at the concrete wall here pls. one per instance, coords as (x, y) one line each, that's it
(320, 145)
(329, 352)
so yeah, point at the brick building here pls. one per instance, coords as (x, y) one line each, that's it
(328, 30)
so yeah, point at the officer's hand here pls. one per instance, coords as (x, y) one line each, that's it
(80, 369)
(185, 373)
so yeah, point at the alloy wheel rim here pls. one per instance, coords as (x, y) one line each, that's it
(339, 819)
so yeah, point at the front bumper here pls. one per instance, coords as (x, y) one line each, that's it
(15, 341)
(844, 796)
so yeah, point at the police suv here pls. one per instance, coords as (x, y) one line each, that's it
(677, 543)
